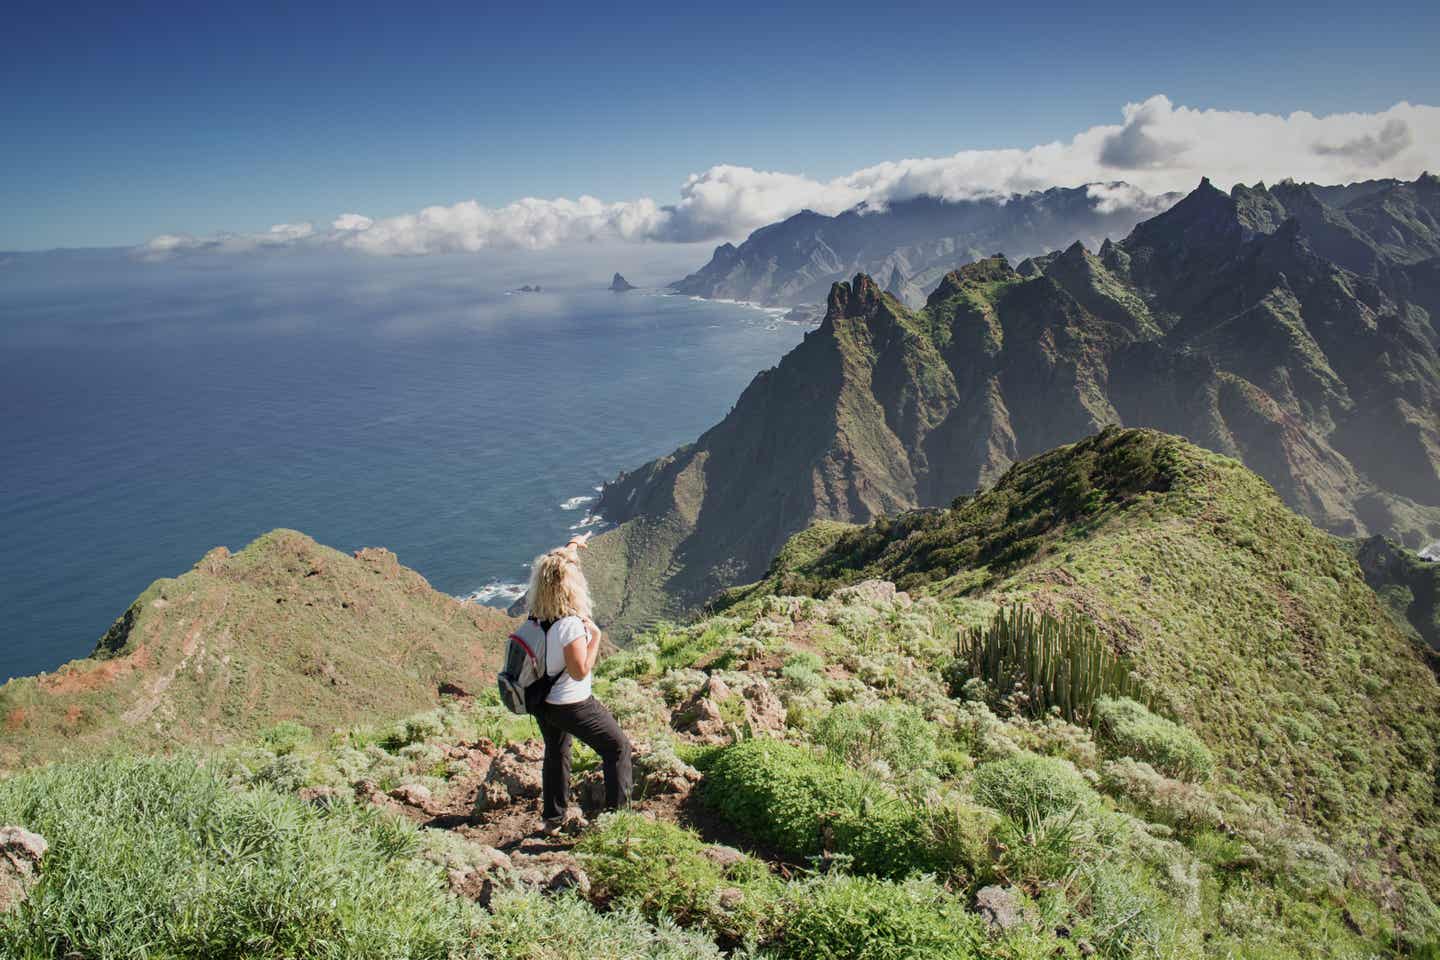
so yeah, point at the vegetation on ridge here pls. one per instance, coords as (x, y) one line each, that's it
(286, 629)
(1240, 619)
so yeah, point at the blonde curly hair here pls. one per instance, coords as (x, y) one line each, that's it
(557, 586)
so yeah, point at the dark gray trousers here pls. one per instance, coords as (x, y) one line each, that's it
(593, 725)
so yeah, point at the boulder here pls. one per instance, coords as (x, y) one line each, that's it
(322, 796)
(998, 907)
(717, 689)
(722, 856)
(569, 877)
(414, 794)
(20, 855)
(763, 708)
(658, 777)
(700, 716)
(514, 774)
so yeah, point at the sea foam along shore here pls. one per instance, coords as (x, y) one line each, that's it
(503, 593)
(496, 593)
(776, 312)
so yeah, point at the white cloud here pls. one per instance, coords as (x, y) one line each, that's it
(351, 221)
(529, 223)
(280, 235)
(1157, 148)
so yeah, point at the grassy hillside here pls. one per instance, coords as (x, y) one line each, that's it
(1247, 622)
(284, 629)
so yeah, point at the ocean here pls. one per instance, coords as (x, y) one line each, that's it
(153, 411)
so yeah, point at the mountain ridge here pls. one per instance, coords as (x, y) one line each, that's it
(1215, 320)
(908, 243)
(285, 629)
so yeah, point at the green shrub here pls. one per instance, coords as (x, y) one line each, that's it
(285, 737)
(661, 870)
(1029, 785)
(163, 857)
(802, 804)
(893, 734)
(526, 924)
(961, 835)
(1040, 850)
(1128, 917)
(286, 773)
(801, 671)
(857, 918)
(1161, 799)
(416, 729)
(1127, 729)
(640, 659)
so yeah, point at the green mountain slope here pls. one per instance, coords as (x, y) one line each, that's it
(286, 629)
(1217, 320)
(1249, 624)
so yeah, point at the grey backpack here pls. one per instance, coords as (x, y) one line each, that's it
(523, 682)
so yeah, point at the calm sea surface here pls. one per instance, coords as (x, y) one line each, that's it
(150, 412)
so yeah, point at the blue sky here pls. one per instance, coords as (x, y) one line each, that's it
(123, 123)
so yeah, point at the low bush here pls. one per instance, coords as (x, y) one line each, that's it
(868, 735)
(1027, 785)
(1159, 798)
(1128, 917)
(660, 869)
(962, 834)
(285, 737)
(804, 804)
(163, 856)
(1127, 729)
(525, 924)
(801, 671)
(1050, 850)
(857, 918)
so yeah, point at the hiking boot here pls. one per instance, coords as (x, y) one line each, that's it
(570, 825)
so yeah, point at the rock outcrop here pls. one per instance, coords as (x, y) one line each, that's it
(1409, 585)
(619, 284)
(21, 853)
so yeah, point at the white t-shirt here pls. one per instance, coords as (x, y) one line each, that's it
(562, 633)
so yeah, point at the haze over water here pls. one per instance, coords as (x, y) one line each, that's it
(153, 411)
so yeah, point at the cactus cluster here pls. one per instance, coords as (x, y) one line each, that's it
(1049, 661)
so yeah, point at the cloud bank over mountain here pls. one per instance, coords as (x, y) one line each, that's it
(1158, 147)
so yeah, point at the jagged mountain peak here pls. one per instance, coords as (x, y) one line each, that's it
(794, 262)
(1204, 217)
(861, 295)
(1224, 319)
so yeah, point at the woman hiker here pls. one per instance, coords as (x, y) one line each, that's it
(559, 599)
